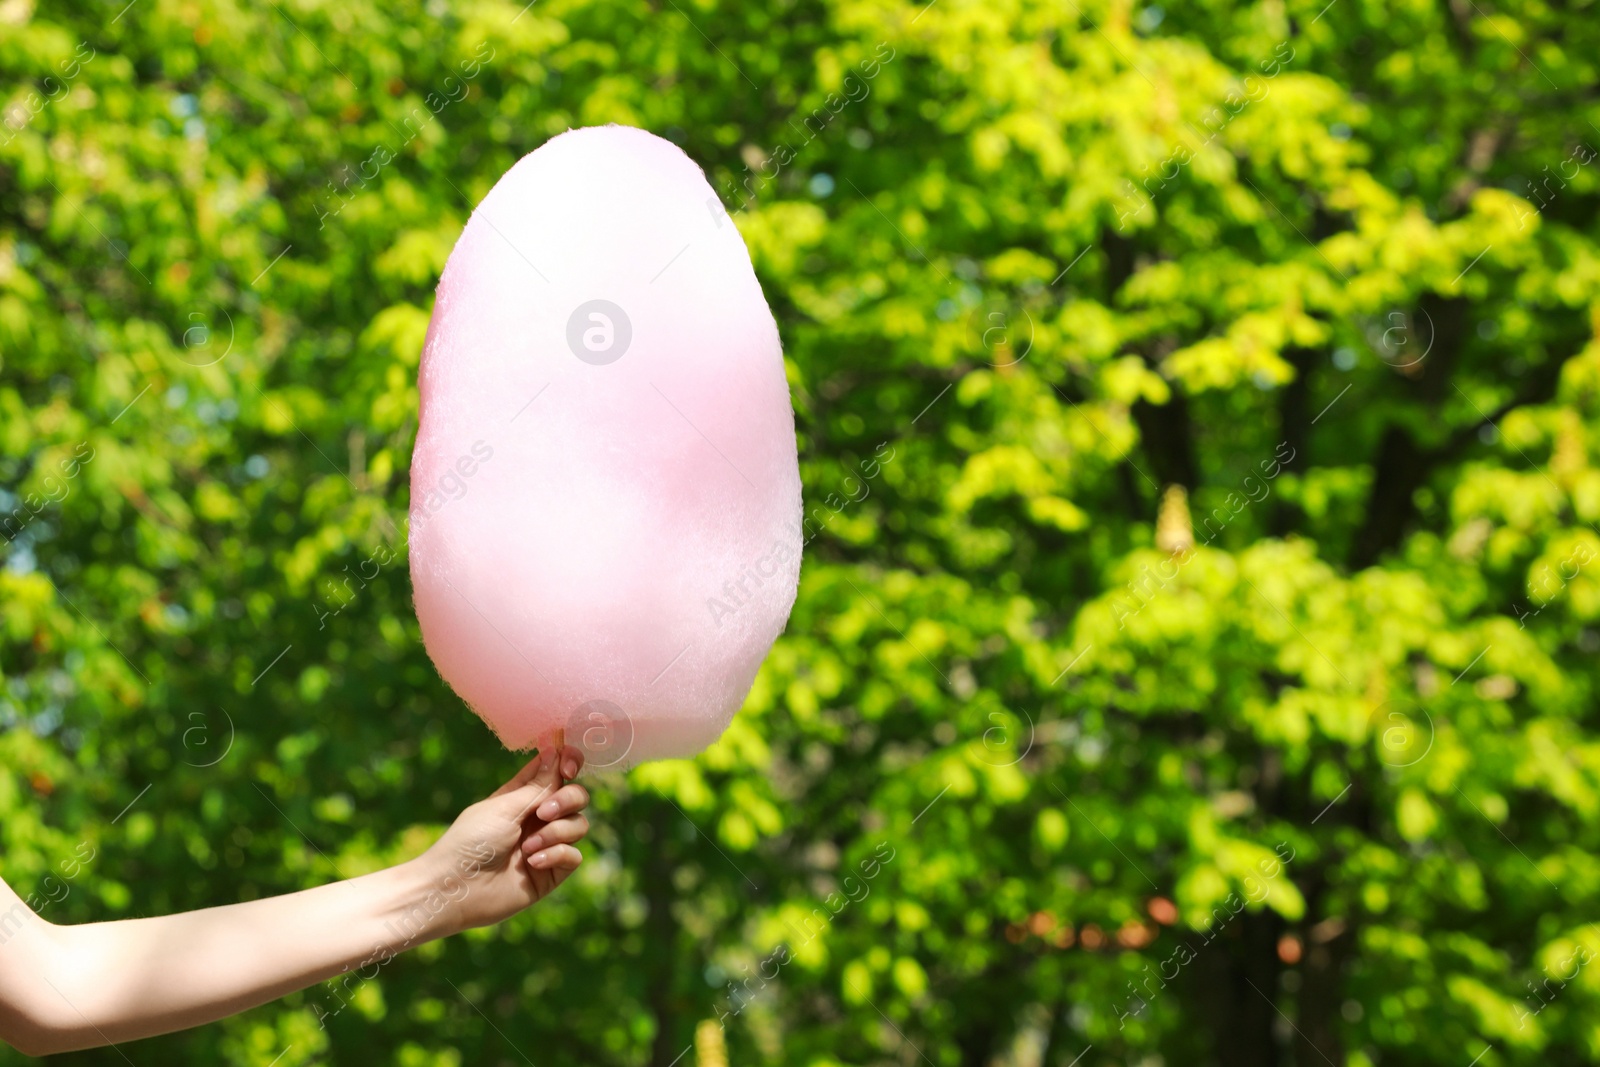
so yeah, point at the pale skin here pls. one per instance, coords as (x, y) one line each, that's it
(72, 987)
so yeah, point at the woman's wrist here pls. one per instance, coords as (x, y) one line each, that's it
(417, 907)
(434, 889)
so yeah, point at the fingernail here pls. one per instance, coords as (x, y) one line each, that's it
(533, 844)
(571, 769)
(547, 810)
(541, 859)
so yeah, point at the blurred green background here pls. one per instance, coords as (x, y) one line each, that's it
(1195, 655)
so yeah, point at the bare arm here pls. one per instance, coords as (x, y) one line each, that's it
(73, 987)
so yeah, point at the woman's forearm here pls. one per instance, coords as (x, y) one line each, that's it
(115, 981)
(72, 987)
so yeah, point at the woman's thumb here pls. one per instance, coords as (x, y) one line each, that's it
(538, 778)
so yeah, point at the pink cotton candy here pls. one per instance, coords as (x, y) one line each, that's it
(605, 499)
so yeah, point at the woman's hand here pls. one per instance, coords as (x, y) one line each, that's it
(505, 852)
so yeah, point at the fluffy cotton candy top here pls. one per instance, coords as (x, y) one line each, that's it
(605, 499)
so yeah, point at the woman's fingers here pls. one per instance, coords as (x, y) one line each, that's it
(571, 758)
(567, 831)
(564, 801)
(556, 857)
(536, 790)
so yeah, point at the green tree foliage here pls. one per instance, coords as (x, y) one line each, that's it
(1195, 653)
